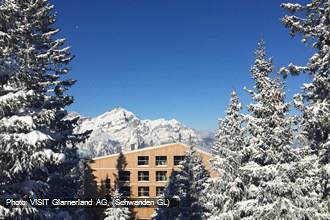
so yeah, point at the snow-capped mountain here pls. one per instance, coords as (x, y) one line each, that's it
(120, 129)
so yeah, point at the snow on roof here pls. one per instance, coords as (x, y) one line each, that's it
(150, 148)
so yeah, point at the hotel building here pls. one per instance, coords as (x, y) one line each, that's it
(144, 172)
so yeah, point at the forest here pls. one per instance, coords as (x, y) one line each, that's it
(271, 163)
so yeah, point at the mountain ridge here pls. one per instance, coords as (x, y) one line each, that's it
(121, 130)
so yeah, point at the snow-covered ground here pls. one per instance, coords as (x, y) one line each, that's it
(120, 129)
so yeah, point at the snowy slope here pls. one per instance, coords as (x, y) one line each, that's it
(121, 129)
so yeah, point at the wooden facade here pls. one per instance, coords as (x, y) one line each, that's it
(142, 172)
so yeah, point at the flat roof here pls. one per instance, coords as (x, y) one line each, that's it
(150, 148)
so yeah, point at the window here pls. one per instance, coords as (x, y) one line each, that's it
(159, 190)
(143, 191)
(125, 191)
(161, 176)
(178, 159)
(161, 160)
(124, 176)
(143, 160)
(143, 175)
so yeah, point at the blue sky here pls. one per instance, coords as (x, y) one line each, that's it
(171, 58)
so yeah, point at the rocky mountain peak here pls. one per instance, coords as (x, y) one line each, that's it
(119, 129)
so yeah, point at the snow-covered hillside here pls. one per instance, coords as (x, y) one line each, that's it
(120, 129)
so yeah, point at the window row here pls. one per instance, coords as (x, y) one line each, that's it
(144, 191)
(125, 191)
(160, 160)
(142, 175)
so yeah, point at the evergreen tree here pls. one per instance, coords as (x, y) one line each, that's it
(186, 185)
(105, 189)
(271, 169)
(225, 189)
(87, 189)
(38, 155)
(268, 125)
(117, 213)
(312, 23)
(120, 166)
(122, 213)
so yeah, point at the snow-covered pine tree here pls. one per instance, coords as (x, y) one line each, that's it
(225, 188)
(276, 186)
(122, 213)
(117, 213)
(38, 155)
(312, 22)
(186, 185)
